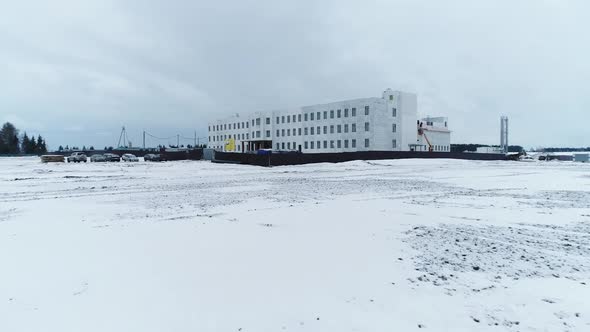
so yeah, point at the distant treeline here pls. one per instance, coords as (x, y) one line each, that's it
(563, 149)
(473, 147)
(110, 148)
(12, 143)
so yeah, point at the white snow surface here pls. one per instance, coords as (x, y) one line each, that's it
(394, 245)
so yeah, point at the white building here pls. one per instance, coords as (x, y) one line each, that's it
(388, 123)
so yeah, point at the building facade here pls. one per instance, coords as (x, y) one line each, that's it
(388, 123)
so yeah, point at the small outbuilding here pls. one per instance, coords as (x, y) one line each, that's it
(581, 157)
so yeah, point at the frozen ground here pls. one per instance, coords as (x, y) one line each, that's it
(434, 245)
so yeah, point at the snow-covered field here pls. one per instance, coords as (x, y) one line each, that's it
(435, 245)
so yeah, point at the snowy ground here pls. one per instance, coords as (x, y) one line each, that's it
(435, 245)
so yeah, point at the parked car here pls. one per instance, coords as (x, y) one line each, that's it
(77, 157)
(153, 157)
(112, 157)
(129, 157)
(98, 158)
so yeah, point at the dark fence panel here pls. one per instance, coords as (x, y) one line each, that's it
(279, 159)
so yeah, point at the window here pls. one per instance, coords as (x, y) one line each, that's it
(294, 118)
(319, 131)
(331, 129)
(346, 112)
(331, 144)
(305, 144)
(278, 148)
(305, 117)
(366, 110)
(346, 128)
(393, 128)
(394, 144)
(319, 115)
(282, 132)
(288, 119)
(299, 117)
(289, 145)
(366, 126)
(283, 119)
(253, 122)
(225, 127)
(311, 130)
(331, 114)
(394, 112)
(445, 124)
(268, 121)
(268, 133)
(294, 132)
(366, 142)
(311, 116)
(339, 114)
(258, 134)
(278, 120)
(346, 144)
(288, 132)
(325, 144)
(311, 143)
(325, 130)
(299, 131)
(325, 115)
(234, 126)
(353, 128)
(339, 144)
(253, 135)
(278, 133)
(294, 146)
(353, 111)
(247, 124)
(390, 97)
(339, 129)
(305, 131)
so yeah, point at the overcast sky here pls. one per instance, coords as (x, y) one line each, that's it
(76, 71)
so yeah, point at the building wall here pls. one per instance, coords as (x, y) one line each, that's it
(388, 125)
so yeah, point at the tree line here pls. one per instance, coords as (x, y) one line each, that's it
(12, 143)
(473, 147)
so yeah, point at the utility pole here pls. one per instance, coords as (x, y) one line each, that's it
(144, 139)
(177, 140)
(195, 139)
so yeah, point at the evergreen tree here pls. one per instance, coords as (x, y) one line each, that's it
(9, 142)
(61, 148)
(41, 148)
(25, 145)
(33, 145)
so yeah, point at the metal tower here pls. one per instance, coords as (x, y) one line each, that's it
(504, 133)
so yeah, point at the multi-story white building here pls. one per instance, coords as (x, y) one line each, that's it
(388, 123)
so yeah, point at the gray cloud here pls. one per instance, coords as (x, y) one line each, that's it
(171, 66)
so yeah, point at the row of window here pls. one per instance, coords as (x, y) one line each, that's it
(298, 131)
(338, 144)
(339, 113)
(318, 130)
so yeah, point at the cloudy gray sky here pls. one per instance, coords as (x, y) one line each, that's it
(76, 71)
